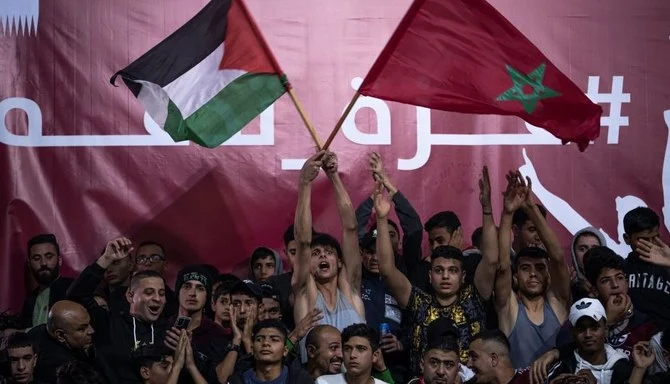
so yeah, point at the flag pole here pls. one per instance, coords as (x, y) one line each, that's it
(341, 121)
(275, 64)
(304, 117)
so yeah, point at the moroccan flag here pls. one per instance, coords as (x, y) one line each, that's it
(464, 56)
(208, 79)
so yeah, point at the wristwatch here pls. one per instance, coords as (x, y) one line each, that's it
(234, 348)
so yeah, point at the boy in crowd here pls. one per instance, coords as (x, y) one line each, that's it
(647, 265)
(464, 304)
(264, 263)
(583, 240)
(266, 364)
(360, 346)
(21, 353)
(193, 287)
(407, 252)
(592, 356)
(326, 276)
(531, 317)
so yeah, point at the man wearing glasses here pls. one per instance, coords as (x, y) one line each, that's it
(150, 255)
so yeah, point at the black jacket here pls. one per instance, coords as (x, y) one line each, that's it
(116, 334)
(412, 229)
(649, 288)
(58, 291)
(296, 373)
(52, 355)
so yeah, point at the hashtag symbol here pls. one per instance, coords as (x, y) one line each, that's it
(614, 121)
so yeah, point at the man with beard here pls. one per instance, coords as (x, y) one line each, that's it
(490, 360)
(118, 334)
(532, 317)
(267, 364)
(463, 303)
(193, 289)
(326, 276)
(67, 336)
(360, 346)
(592, 356)
(44, 260)
(20, 352)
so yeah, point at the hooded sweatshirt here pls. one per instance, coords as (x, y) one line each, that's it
(603, 373)
(279, 268)
(577, 284)
(591, 230)
(616, 370)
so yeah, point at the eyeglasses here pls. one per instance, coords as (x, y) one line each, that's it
(151, 259)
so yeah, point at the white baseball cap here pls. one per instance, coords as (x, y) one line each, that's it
(591, 308)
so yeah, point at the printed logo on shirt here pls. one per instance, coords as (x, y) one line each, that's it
(648, 281)
(617, 341)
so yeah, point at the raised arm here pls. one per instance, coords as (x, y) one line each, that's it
(505, 302)
(558, 269)
(486, 270)
(303, 225)
(397, 283)
(410, 222)
(351, 253)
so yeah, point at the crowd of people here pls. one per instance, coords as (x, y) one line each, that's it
(504, 307)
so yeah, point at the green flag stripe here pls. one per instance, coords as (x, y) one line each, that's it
(227, 112)
(175, 125)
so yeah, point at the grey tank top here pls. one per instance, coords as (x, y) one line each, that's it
(528, 340)
(343, 315)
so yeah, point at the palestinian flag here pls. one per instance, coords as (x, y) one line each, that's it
(208, 79)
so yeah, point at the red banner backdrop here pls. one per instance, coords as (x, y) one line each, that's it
(79, 159)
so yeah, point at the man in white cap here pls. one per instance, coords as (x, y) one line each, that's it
(593, 361)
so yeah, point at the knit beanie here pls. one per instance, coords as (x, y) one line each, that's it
(194, 273)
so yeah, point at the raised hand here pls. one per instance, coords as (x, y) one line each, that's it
(312, 319)
(457, 239)
(376, 165)
(527, 186)
(655, 252)
(310, 170)
(643, 357)
(118, 249)
(515, 193)
(330, 163)
(382, 204)
(485, 190)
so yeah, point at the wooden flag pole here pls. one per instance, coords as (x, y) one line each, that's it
(305, 120)
(341, 121)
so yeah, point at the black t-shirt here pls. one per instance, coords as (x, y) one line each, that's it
(649, 289)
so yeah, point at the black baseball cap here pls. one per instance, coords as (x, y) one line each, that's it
(248, 287)
(369, 241)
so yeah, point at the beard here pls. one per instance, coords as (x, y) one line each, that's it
(44, 278)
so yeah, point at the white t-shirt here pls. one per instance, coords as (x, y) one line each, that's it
(338, 379)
